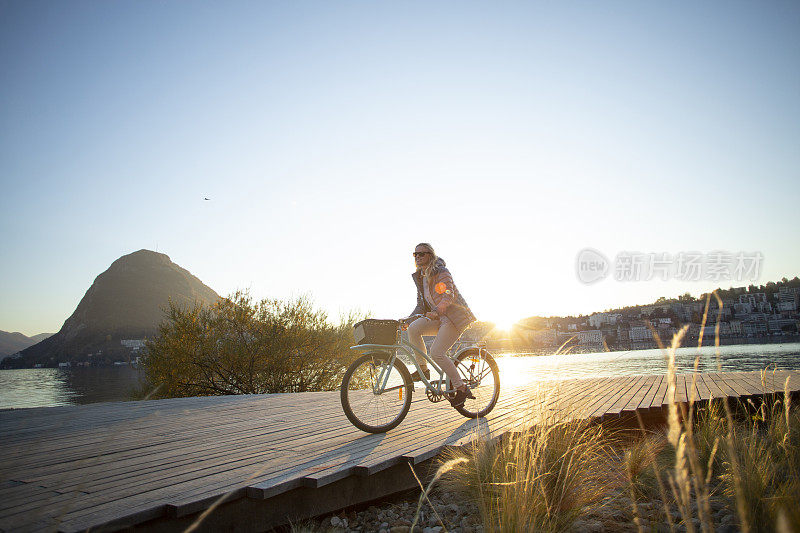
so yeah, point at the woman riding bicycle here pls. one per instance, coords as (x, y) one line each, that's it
(446, 315)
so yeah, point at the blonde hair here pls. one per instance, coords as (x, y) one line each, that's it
(426, 270)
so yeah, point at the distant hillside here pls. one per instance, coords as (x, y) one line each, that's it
(16, 341)
(124, 302)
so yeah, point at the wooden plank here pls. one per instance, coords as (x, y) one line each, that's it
(627, 397)
(453, 433)
(134, 460)
(681, 394)
(605, 395)
(737, 387)
(13, 488)
(660, 398)
(652, 394)
(696, 389)
(165, 427)
(556, 399)
(11, 514)
(191, 451)
(160, 426)
(720, 383)
(577, 401)
(177, 442)
(337, 463)
(773, 382)
(117, 418)
(317, 437)
(23, 495)
(714, 390)
(618, 393)
(794, 380)
(753, 387)
(636, 403)
(754, 382)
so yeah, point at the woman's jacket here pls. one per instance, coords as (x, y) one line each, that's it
(448, 301)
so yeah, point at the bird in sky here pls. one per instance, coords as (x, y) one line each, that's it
(206, 198)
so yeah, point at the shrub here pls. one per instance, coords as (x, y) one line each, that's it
(239, 346)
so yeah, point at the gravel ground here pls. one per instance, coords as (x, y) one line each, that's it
(396, 516)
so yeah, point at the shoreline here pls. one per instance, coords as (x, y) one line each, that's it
(583, 349)
(81, 386)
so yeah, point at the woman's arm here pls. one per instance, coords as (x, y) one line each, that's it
(420, 308)
(445, 289)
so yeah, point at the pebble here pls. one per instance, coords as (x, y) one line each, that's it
(588, 526)
(461, 516)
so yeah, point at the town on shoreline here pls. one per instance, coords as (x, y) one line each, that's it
(762, 314)
(742, 315)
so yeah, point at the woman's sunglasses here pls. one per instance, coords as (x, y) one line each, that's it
(420, 254)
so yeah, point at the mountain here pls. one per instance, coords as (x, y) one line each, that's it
(14, 342)
(127, 301)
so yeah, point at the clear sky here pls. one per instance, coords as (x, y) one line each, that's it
(333, 136)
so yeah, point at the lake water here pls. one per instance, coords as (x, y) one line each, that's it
(46, 387)
(736, 358)
(50, 387)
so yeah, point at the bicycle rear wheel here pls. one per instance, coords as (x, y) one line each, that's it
(365, 407)
(479, 371)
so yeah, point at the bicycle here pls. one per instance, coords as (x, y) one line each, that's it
(377, 387)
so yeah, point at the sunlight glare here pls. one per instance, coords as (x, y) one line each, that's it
(504, 323)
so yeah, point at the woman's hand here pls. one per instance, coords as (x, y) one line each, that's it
(432, 315)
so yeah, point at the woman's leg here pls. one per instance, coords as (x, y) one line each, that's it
(448, 334)
(418, 328)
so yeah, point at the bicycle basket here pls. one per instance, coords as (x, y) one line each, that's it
(374, 331)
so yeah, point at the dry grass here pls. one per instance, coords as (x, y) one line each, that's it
(745, 458)
(767, 480)
(540, 479)
(550, 475)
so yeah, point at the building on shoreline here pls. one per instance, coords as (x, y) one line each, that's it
(770, 312)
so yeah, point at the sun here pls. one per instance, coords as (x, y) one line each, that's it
(504, 323)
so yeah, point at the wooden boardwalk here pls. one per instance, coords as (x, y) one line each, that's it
(157, 464)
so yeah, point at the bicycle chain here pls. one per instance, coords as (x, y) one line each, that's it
(434, 396)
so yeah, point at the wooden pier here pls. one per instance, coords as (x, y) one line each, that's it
(160, 465)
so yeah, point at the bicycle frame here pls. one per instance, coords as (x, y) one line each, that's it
(409, 350)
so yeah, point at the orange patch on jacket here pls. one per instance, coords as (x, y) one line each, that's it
(440, 288)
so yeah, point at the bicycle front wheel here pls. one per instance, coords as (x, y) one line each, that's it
(479, 371)
(368, 404)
